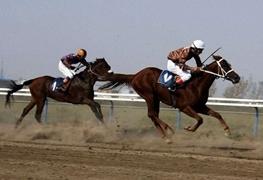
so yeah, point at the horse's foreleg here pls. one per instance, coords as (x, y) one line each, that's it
(100, 115)
(95, 108)
(25, 112)
(190, 112)
(207, 111)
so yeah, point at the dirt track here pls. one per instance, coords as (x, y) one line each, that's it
(28, 160)
(75, 152)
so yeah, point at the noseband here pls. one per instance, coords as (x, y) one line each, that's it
(221, 73)
(96, 74)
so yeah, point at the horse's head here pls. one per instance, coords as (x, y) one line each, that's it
(224, 70)
(100, 67)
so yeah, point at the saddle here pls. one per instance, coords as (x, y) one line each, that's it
(57, 84)
(167, 79)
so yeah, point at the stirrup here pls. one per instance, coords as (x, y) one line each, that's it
(172, 88)
(63, 87)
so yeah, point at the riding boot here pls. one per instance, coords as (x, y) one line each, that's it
(179, 81)
(65, 86)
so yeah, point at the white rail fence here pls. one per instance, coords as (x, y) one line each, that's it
(111, 97)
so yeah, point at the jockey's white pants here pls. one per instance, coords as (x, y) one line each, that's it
(65, 71)
(172, 67)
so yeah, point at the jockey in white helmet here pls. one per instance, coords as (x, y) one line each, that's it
(178, 58)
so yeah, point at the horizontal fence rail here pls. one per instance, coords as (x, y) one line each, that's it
(215, 101)
(136, 98)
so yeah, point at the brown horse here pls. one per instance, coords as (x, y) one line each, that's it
(80, 90)
(190, 98)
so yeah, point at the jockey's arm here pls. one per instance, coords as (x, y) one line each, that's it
(67, 64)
(186, 67)
(198, 61)
(84, 62)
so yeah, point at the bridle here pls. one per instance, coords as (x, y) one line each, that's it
(89, 70)
(96, 74)
(221, 73)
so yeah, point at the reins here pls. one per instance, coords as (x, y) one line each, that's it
(92, 72)
(89, 70)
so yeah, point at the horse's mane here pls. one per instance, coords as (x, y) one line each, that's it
(92, 64)
(200, 74)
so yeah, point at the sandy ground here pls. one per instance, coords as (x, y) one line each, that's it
(91, 151)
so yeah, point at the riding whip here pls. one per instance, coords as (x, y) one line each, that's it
(211, 54)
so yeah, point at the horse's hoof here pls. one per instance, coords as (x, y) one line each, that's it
(17, 124)
(227, 133)
(188, 128)
(168, 141)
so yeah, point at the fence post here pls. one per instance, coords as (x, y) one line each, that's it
(111, 111)
(178, 119)
(256, 122)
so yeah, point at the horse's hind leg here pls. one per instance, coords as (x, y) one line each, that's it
(40, 105)
(207, 111)
(153, 113)
(25, 112)
(192, 113)
(156, 106)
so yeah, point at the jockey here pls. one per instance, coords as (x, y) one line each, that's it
(65, 65)
(178, 58)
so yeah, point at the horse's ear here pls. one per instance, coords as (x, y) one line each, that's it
(217, 57)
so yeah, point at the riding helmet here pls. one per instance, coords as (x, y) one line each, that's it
(198, 44)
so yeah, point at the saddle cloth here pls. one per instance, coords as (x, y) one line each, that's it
(166, 78)
(57, 83)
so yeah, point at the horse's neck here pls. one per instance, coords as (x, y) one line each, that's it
(205, 81)
(87, 77)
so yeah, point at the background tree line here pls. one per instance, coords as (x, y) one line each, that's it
(246, 88)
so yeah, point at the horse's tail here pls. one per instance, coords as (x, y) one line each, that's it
(14, 88)
(117, 80)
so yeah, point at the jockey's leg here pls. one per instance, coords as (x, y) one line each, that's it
(175, 69)
(179, 81)
(183, 76)
(66, 72)
(66, 83)
(66, 80)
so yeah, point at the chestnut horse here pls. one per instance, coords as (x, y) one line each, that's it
(191, 98)
(80, 90)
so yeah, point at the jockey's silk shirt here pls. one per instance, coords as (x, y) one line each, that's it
(182, 55)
